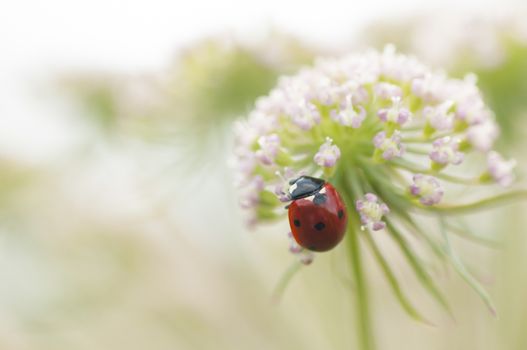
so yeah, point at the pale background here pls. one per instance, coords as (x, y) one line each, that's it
(107, 260)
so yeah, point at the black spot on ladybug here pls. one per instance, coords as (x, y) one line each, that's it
(296, 222)
(340, 213)
(320, 226)
(320, 199)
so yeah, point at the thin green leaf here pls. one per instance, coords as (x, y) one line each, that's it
(464, 232)
(414, 168)
(412, 226)
(366, 337)
(386, 189)
(387, 194)
(394, 284)
(285, 280)
(463, 272)
(394, 201)
(416, 264)
(491, 202)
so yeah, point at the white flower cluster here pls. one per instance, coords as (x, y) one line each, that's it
(371, 108)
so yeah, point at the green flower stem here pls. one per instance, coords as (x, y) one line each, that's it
(398, 177)
(405, 165)
(467, 234)
(366, 339)
(377, 184)
(460, 180)
(427, 140)
(491, 202)
(392, 280)
(356, 188)
(418, 128)
(284, 281)
(463, 272)
(377, 180)
(419, 151)
(417, 266)
(418, 232)
(362, 306)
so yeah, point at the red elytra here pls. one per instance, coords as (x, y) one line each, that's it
(318, 216)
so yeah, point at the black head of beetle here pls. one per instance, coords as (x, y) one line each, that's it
(305, 186)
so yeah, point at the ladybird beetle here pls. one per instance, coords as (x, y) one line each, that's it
(317, 214)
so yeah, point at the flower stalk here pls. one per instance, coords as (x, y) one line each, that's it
(362, 302)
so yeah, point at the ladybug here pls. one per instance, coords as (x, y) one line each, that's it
(317, 214)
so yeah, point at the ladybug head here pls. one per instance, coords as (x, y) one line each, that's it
(304, 186)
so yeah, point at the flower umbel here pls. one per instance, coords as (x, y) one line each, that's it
(500, 169)
(446, 151)
(384, 130)
(396, 113)
(269, 147)
(347, 115)
(327, 154)
(427, 189)
(440, 117)
(371, 212)
(390, 147)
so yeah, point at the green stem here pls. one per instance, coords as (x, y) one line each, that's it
(418, 127)
(418, 232)
(422, 139)
(284, 281)
(463, 272)
(419, 151)
(486, 203)
(393, 282)
(467, 234)
(365, 333)
(454, 179)
(362, 306)
(416, 264)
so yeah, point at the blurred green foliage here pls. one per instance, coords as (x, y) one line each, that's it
(17, 182)
(221, 82)
(14, 177)
(194, 99)
(505, 88)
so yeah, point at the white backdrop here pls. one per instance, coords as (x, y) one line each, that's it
(39, 37)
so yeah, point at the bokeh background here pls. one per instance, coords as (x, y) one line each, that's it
(119, 221)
